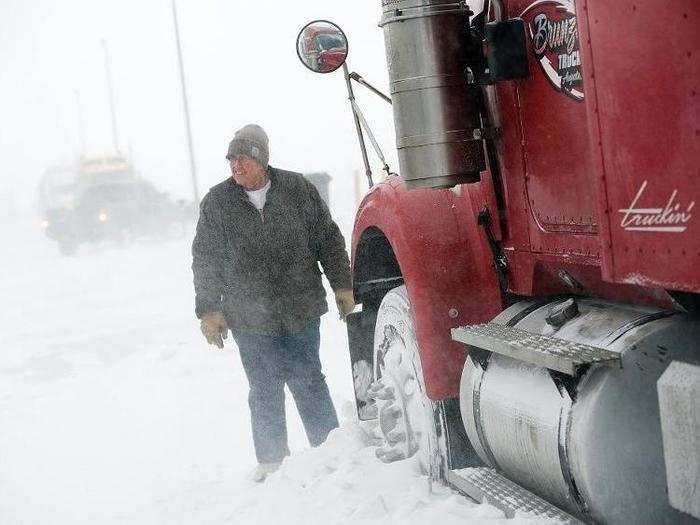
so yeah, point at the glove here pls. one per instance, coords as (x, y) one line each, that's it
(213, 326)
(345, 301)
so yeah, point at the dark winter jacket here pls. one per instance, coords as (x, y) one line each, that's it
(261, 267)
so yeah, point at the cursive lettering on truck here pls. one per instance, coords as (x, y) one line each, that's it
(670, 218)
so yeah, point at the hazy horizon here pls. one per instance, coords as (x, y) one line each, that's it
(240, 65)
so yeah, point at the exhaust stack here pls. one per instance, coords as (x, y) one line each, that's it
(435, 108)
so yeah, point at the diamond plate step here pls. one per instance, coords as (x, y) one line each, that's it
(539, 350)
(484, 483)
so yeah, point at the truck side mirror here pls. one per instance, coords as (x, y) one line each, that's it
(322, 46)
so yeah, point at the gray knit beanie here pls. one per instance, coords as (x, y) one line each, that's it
(251, 140)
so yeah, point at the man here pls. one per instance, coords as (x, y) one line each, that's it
(260, 237)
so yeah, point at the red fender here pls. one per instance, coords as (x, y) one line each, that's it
(445, 262)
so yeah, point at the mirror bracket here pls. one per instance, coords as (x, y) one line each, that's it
(358, 126)
(357, 78)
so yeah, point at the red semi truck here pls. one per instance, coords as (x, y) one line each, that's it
(530, 281)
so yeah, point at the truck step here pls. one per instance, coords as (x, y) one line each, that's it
(485, 484)
(539, 350)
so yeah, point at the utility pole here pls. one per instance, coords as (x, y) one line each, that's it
(185, 106)
(79, 121)
(110, 88)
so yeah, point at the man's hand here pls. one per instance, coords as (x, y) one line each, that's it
(345, 301)
(214, 328)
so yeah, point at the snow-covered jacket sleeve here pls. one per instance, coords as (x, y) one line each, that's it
(208, 257)
(329, 244)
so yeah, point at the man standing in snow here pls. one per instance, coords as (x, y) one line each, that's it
(260, 236)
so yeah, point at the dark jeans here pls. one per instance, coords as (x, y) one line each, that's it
(270, 361)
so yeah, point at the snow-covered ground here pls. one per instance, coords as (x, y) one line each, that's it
(114, 410)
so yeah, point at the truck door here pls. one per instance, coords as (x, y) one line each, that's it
(558, 171)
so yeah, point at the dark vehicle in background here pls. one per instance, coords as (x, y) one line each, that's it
(105, 199)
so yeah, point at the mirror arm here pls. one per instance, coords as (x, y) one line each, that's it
(375, 145)
(357, 78)
(358, 127)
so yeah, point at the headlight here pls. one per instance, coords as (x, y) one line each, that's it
(102, 217)
(45, 224)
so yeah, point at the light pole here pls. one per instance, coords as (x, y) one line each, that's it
(110, 88)
(79, 122)
(185, 106)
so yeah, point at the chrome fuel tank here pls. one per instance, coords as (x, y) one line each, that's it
(592, 443)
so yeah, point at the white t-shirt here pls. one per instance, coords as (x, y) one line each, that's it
(257, 197)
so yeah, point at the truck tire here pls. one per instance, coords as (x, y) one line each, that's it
(407, 417)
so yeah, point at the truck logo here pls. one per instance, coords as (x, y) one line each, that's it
(670, 219)
(554, 36)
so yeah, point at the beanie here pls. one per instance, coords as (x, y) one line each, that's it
(251, 140)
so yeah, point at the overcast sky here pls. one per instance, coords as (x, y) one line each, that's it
(241, 66)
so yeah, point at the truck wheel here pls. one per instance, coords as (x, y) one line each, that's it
(405, 413)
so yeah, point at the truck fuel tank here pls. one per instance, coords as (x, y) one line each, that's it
(585, 434)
